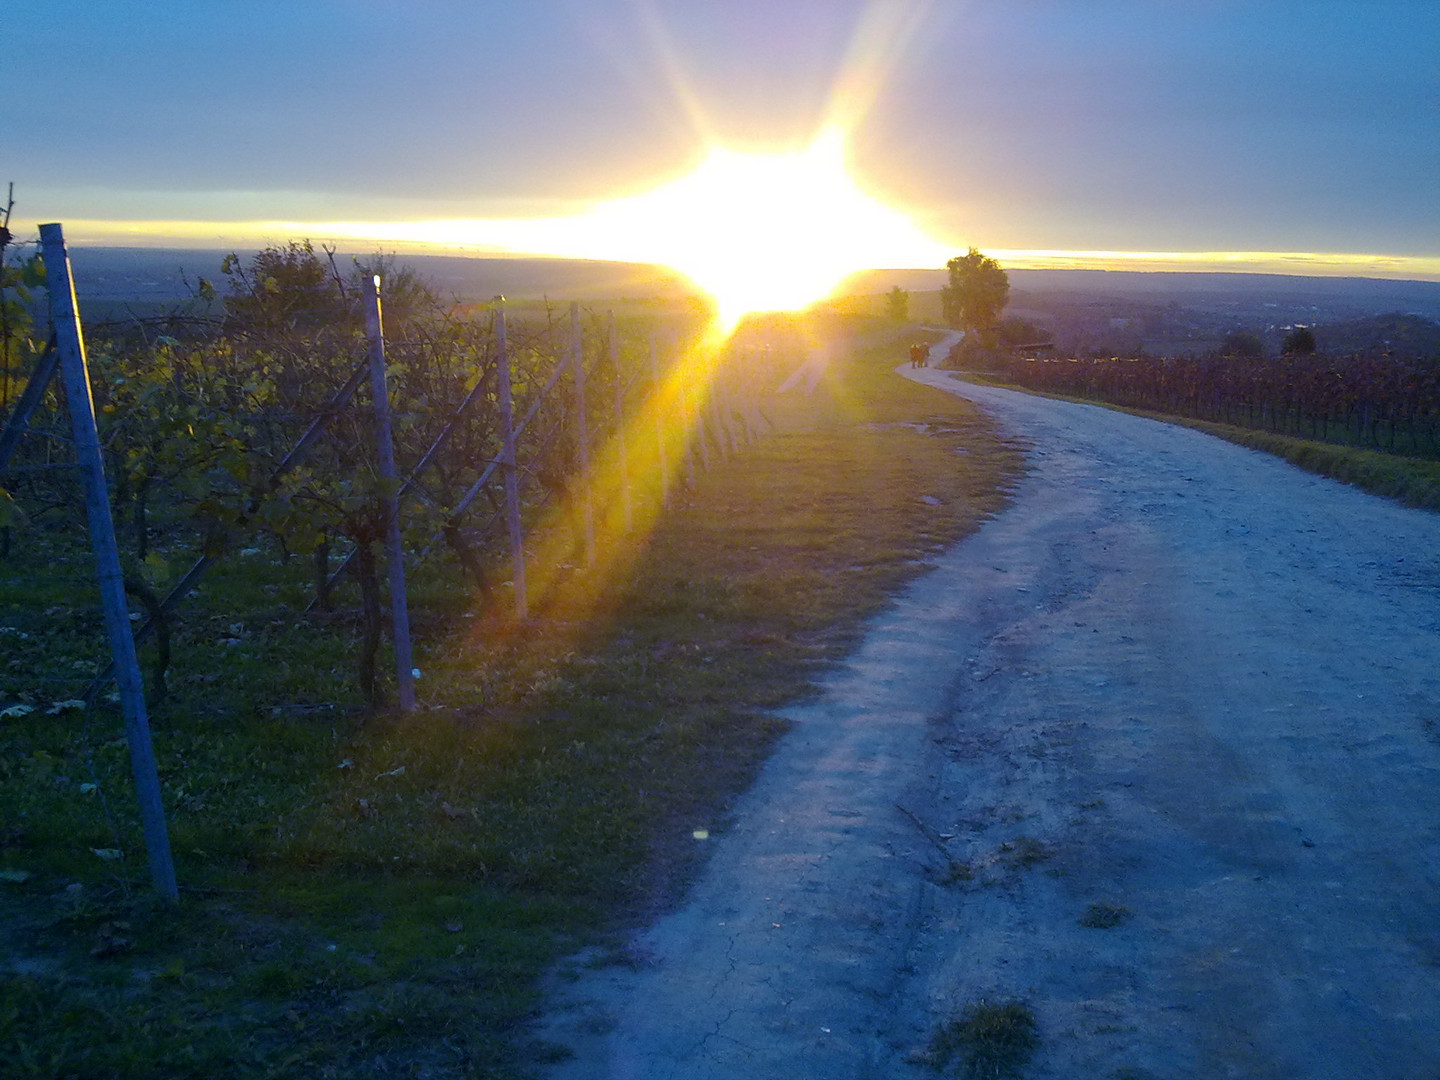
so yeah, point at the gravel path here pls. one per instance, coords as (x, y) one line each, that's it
(1177, 685)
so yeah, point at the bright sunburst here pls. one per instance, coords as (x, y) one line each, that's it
(765, 232)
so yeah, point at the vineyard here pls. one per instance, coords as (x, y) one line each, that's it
(253, 442)
(1375, 401)
(268, 499)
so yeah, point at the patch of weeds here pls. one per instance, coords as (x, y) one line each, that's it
(1023, 853)
(956, 873)
(1104, 916)
(987, 1041)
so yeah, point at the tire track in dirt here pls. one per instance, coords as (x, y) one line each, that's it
(1175, 677)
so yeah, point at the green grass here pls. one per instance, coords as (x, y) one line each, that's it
(372, 895)
(1023, 853)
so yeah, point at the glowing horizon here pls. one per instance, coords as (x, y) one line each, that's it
(1300, 263)
(755, 231)
(504, 238)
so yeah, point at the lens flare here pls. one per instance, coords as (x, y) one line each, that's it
(632, 474)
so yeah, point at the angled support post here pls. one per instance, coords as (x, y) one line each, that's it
(202, 565)
(30, 399)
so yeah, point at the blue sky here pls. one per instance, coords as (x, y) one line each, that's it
(1109, 125)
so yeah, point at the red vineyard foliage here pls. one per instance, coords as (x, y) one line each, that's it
(1378, 401)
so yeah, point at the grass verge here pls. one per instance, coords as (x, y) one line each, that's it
(1412, 481)
(366, 896)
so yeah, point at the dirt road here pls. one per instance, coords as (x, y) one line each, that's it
(1178, 687)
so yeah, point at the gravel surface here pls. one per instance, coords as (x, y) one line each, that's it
(1155, 752)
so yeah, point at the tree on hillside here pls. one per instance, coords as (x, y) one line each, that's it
(292, 293)
(286, 290)
(897, 305)
(406, 296)
(1243, 345)
(1012, 331)
(1299, 342)
(976, 294)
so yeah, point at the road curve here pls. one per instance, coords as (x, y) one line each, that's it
(1176, 686)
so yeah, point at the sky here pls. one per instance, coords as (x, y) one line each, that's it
(1298, 135)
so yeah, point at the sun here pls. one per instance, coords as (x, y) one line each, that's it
(764, 232)
(756, 231)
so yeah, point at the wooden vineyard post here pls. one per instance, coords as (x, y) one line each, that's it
(622, 452)
(724, 403)
(734, 429)
(750, 389)
(693, 434)
(661, 457)
(70, 345)
(753, 383)
(740, 398)
(705, 426)
(509, 461)
(582, 436)
(390, 500)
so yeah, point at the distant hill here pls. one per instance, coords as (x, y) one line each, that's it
(161, 274)
(1408, 336)
(1362, 295)
(1127, 312)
